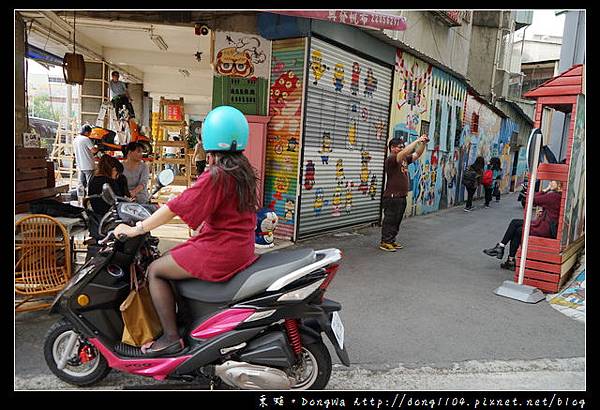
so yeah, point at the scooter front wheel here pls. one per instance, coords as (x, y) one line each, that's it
(71, 357)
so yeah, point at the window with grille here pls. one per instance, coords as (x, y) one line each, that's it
(475, 123)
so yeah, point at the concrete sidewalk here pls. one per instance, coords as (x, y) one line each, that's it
(432, 303)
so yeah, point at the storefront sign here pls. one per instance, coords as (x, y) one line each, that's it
(352, 17)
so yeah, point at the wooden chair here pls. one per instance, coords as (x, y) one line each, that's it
(43, 261)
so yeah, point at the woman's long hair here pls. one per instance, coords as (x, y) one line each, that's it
(238, 166)
(495, 164)
(105, 166)
(479, 164)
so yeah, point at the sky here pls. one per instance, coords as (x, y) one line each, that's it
(544, 22)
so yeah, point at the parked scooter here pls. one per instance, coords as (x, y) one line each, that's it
(260, 330)
(107, 140)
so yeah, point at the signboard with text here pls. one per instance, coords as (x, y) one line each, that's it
(352, 17)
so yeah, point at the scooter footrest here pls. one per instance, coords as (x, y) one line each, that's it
(123, 349)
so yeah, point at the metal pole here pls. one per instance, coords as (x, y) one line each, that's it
(530, 195)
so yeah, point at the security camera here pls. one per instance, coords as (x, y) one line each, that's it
(201, 29)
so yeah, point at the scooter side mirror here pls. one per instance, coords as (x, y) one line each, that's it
(108, 195)
(166, 177)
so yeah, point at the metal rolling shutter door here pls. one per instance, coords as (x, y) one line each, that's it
(357, 126)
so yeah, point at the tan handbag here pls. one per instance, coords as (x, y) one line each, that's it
(141, 322)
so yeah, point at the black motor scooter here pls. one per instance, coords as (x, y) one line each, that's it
(260, 330)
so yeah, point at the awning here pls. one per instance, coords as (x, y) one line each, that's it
(42, 56)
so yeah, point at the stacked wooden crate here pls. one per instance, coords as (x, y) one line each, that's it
(34, 178)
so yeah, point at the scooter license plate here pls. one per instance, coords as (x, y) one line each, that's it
(338, 329)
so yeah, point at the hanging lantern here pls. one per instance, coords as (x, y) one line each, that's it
(73, 64)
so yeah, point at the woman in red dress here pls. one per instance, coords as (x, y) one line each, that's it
(223, 203)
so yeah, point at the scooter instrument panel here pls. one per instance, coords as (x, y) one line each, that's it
(133, 211)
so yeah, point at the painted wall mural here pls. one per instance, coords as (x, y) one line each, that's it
(346, 113)
(283, 135)
(241, 55)
(428, 101)
(574, 222)
(492, 139)
(241, 64)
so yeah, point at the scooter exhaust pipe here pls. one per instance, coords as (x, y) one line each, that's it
(251, 377)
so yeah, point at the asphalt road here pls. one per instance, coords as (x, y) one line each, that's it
(422, 317)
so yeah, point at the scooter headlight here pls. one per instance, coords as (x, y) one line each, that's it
(302, 293)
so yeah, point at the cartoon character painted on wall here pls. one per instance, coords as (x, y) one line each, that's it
(337, 202)
(348, 205)
(338, 77)
(373, 187)
(365, 157)
(370, 83)
(281, 185)
(282, 89)
(277, 144)
(231, 62)
(379, 129)
(339, 172)
(266, 222)
(292, 144)
(309, 175)
(316, 66)
(414, 82)
(326, 144)
(355, 78)
(352, 135)
(289, 208)
(319, 201)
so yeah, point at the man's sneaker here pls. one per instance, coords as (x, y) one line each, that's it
(487, 206)
(468, 209)
(388, 247)
(397, 245)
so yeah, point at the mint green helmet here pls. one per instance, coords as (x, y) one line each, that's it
(225, 128)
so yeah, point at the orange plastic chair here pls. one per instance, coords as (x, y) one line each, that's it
(43, 261)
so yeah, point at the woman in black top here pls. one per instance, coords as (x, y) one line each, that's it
(108, 171)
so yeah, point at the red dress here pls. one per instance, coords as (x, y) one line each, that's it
(225, 244)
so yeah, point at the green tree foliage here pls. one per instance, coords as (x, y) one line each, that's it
(41, 107)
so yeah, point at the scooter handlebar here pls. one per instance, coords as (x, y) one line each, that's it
(111, 235)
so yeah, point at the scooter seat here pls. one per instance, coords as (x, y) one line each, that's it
(255, 279)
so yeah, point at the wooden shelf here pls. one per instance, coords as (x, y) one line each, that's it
(179, 161)
(171, 123)
(181, 144)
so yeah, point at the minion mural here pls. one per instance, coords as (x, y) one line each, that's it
(347, 107)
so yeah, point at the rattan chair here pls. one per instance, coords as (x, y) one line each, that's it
(43, 261)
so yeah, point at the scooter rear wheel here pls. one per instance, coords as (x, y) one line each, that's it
(316, 368)
(76, 371)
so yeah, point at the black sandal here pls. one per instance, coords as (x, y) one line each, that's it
(174, 348)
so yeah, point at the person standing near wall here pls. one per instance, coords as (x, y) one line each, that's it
(84, 150)
(397, 187)
(497, 169)
(119, 95)
(471, 179)
(491, 180)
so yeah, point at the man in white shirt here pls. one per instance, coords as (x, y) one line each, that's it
(119, 95)
(84, 150)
